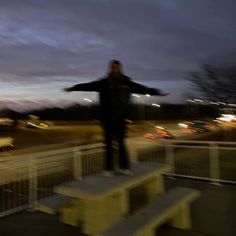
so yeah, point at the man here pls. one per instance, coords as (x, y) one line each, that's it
(115, 90)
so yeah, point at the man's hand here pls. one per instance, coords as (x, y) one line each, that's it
(67, 90)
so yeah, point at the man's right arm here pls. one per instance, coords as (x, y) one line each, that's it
(94, 86)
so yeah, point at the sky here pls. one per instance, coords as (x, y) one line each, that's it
(46, 45)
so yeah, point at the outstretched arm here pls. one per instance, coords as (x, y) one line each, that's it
(92, 86)
(141, 89)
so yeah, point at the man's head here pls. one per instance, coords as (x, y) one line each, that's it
(115, 67)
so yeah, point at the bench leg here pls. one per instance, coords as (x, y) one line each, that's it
(69, 216)
(148, 232)
(101, 214)
(155, 187)
(182, 219)
(72, 215)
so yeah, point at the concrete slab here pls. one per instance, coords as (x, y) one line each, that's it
(98, 186)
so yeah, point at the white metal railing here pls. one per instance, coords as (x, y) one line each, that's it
(206, 160)
(24, 179)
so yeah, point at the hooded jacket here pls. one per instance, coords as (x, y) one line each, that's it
(114, 94)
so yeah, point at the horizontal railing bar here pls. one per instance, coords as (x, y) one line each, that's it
(13, 210)
(201, 178)
(98, 151)
(197, 141)
(203, 147)
(52, 152)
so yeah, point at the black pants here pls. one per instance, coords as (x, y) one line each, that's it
(115, 131)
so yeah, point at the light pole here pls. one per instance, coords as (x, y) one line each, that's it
(156, 106)
(143, 104)
(140, 108)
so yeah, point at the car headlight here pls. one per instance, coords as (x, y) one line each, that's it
(182, 125)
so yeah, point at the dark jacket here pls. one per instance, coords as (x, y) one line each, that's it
(114, 93)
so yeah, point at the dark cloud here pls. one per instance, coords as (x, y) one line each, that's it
(50, 40)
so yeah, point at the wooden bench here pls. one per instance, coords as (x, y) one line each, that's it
(101, 201)
(173, 207)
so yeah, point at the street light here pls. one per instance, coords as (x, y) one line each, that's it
(198, 100)
(136, 95)
(214, 103)
(190, 100)
(222, 103)
(232, 105)
(88, 100)
(156, 105)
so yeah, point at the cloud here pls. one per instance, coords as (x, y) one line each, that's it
(60, 41)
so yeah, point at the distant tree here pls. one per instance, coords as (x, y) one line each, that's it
(216, 83)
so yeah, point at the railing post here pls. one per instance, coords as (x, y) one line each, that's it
(214, 162)
(133, 151)
(33, 181)
(77, 164)
(169, 155)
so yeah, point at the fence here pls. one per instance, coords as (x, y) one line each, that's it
(24, 179)
(213, 161)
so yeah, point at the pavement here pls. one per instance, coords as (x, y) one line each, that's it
(40, 224)
(214, 214)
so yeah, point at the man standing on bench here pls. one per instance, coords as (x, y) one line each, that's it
(115, 90)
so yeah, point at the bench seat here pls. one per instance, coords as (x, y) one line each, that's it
(172, 207)
(53, 204)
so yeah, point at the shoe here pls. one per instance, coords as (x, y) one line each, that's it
(108, 173)
(126, 172)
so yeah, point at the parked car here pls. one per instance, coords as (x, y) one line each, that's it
(7, 124)
(34, 122)
(32, 125)
(6, 144)
(158, 132)
(197, 126)
(226, 119)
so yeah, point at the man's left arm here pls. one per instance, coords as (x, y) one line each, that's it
(141, 89)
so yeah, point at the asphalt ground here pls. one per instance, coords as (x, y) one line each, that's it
(213, 214)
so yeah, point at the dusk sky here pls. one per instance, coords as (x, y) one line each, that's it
(46, 45)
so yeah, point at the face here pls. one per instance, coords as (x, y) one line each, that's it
(115, 69)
